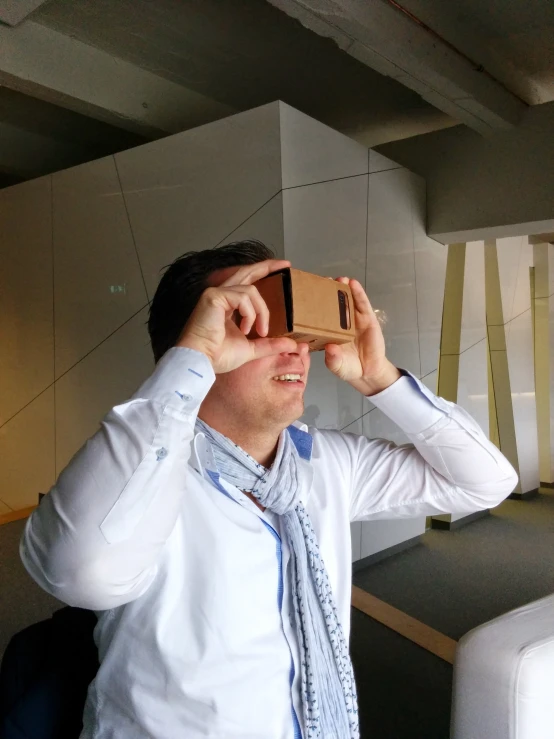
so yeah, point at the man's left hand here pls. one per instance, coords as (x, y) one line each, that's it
(362, 362)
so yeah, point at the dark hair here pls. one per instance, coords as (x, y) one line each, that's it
(184, 281)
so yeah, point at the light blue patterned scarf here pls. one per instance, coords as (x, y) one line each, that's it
(328, 687)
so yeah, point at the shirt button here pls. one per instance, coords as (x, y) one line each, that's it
(161, 453)
(186, 398)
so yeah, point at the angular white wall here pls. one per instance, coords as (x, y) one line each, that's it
(82, 252)
(191, 190)
(405, 282)
(26, 290)
(27, 437)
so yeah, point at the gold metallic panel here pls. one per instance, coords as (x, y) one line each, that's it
(541, 336)
(449, 360)
(501, 412)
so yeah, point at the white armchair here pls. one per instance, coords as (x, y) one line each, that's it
(504, 677)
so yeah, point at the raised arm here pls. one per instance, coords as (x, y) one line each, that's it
(450, 466)
(96, 538)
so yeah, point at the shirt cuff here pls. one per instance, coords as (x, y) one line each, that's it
(182, 379)
(410, 404)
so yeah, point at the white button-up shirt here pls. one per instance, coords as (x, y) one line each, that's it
(191, 580)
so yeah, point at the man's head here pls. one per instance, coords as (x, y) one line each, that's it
(248, 397)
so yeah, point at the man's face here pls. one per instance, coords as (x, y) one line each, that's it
(252, 394)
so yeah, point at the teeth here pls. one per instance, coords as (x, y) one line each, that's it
(289, 378)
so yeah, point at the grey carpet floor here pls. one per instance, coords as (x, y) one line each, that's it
(404, 692)
(456, 580)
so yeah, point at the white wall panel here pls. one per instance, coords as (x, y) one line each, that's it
(522, 296)
(473, 384)
(325, 227)
(265, 225)
(430, 270)
(325, 233)
(376, 425)
(191, 190)
(390, 276)
(382, 534)
(519, 342)
(379, 162)
(473, 388)
(106, 377)
(329, 403)
(312, 152)
(395, 238)
(509, 258)
(26, 303)
(356, 527)
(515, 257)
(27, 453)
(97, 277)
(474, 327)
(379, 535)
(431, 381)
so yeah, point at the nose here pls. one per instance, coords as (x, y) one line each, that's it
(302, 350)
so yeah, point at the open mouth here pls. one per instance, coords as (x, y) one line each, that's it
(289, 378)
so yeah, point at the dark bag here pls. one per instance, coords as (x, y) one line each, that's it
(44, 677)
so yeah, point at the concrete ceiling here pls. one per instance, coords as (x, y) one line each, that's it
(512, 39)
(84, 78)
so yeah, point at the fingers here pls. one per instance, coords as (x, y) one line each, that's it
(333, 357)
(252, 272)
(247, 311)
(256, 310)
(361, 301)
(250, 305)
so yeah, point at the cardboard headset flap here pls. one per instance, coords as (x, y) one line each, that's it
(308, 308)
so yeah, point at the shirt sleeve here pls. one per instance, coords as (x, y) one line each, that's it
(449, 467)
(95, 539)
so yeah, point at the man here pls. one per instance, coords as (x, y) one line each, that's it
(210, 531)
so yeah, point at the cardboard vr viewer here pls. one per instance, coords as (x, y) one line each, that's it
(307, 308)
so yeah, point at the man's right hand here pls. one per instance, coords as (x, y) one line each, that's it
(212, 331)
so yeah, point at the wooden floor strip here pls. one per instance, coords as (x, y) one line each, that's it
(16, 515)
(430, 639)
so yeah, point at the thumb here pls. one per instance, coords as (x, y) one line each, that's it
(266, 347)
(333, 357)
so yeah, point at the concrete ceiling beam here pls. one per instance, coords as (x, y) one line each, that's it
(385, 39)
(547, 238)
(13, 12)
(48, 65)
(27, 154)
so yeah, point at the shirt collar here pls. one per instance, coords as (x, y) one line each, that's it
(202, 458)
(302, 440)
